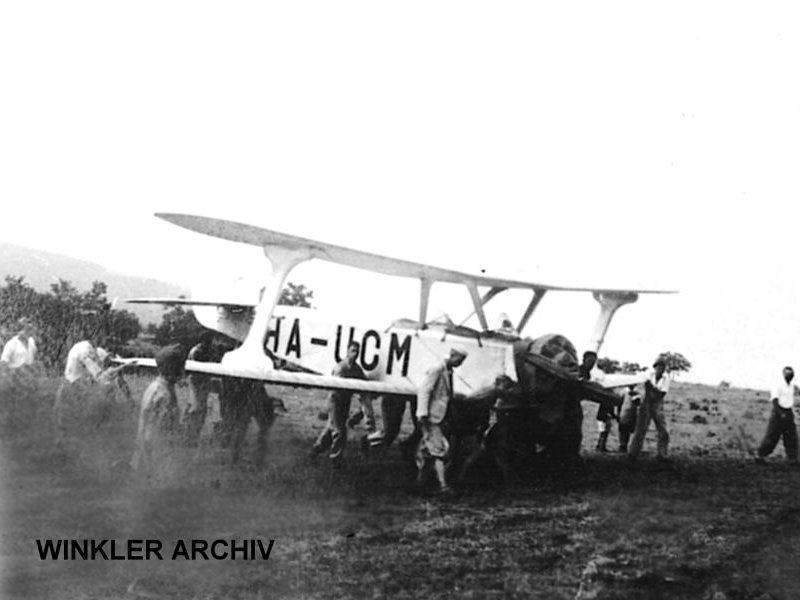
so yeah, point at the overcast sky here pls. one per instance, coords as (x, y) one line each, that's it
(608, 144)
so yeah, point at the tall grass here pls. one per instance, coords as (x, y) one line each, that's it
(711, 521)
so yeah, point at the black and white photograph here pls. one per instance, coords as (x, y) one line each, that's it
(442, 300)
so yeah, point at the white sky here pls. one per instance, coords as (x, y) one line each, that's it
(609, 144)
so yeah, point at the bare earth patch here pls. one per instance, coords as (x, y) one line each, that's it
(711, 525)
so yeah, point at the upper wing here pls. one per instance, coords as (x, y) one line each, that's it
(328, 382)
(249, 234)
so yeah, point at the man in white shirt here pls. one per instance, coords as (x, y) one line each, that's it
(20, 350)
(84, 372)
(655, 389)
(83, 362)
(83, 368)
(781, 420)
(18, 369)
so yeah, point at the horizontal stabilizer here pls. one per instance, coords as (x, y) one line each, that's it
(185, 302)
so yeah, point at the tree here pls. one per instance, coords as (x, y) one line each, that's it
(64, 315)
(675, 361)
(296, 295)
(17, 299)
(178, 325)
(121, 326)
(610, 365)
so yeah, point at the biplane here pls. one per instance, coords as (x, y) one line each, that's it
(394, 358)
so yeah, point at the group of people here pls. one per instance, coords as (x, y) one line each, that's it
(89, 367)
(430, 440)
(634, 413)
(240, 401)
(431, 446)
(92, 380)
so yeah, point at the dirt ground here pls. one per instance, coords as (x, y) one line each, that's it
(711, 525)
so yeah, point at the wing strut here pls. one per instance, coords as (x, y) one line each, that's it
(609, 303)
(477, 304)
(251, 352)
(424, 296)
(538, 294)
(491, 293)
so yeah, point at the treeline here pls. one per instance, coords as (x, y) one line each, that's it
(63, 316)
(675, 361)
(178, 325)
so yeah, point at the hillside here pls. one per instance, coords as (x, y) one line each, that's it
(40, 269)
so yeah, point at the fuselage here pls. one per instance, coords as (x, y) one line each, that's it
(402, 351)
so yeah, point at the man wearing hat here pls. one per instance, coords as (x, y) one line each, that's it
(433, 400)
(655, 389)
(159, 416)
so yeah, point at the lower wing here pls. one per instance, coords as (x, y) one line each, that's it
(309, 380)
(620, 380)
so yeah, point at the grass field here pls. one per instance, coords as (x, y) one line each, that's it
(714, 525)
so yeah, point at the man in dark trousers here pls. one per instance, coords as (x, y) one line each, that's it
(434, 395)
(588, 371)
(199, 387)
(627, 416)
(655, 389)
(247, 399)
(334, 437)
(507, 441)
(781, 420)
